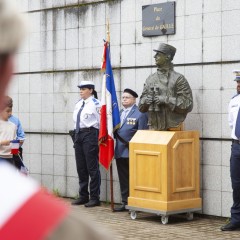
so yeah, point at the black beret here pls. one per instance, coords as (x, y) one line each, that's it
(134, 94)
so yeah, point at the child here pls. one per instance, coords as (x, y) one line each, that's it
(7, 133)
(17, 159)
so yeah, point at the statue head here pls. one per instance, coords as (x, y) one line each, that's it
(164, 54)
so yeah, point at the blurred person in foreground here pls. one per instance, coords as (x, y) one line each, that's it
(26, 211)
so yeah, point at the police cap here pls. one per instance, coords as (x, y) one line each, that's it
(86, 84)
(237, 72)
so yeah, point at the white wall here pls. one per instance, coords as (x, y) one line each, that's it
(65, 46)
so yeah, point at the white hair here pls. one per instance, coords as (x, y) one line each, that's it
(12, 27)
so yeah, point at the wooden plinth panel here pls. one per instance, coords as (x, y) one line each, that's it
(183, 161)
(146, 171)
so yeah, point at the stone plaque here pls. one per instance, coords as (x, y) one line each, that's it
(158, 19)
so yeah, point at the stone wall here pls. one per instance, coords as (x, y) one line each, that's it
(65, 46)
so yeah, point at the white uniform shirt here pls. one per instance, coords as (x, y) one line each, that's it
(232, 113)
(90, 115)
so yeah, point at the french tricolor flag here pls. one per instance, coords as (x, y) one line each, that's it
(110, 118)
(26, 211)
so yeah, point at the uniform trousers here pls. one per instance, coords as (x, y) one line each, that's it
(123, 174)
(86, 154)
(235, 178)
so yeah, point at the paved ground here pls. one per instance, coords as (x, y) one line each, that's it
(149, 226)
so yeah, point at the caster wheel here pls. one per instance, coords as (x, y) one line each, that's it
(133, 215)
(189, 216)
(164, 219)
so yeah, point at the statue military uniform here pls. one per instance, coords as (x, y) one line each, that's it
(167, 96)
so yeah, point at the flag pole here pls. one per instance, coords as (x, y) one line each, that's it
(111, 170)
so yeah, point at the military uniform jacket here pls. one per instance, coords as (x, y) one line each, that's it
(135, 120)
(177, 95)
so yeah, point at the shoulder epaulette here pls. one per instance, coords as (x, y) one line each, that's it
(96, 102)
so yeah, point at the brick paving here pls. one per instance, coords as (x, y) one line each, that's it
(149, 226)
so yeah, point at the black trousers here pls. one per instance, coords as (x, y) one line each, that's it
(17, 161)
(235, 178)
(123, 174)
(86, 154)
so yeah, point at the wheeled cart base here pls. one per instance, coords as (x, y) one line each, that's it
(164, 215)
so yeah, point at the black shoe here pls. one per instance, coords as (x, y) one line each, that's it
(122, 208)
(79, 201)
(230, 227)
(92, 203)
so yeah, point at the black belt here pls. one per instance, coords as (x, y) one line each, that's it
(87, 129)
(235, 141)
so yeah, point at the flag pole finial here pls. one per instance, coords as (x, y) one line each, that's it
(108, 31)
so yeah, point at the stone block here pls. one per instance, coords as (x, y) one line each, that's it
(128, 55)
(47, 122)
(71, 59)
(193, 26)
(211, 177)
(210, 129)
(143, 54)
(126, 29)
(125, 7)
(193, 7)
(47, 83)
(230, 22)
(212, 101)
(71, 167)
(47, 144)
(35, 163)
(193, 50)
(212, 26)
(24, 107)
(212, 202)
(60, 145)
(85, 58)
(212, 6)
(72, 38)
(60, 185)
(36, 103)
(212, 49)
(212, 154)
(35, 122)
(47, 182)
(47, 164)
(60, 168)
(72, 187)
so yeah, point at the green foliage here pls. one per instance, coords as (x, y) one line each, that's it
(56, 193)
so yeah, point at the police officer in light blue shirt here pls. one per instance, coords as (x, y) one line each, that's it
(86, 118)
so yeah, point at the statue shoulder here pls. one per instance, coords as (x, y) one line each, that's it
(151, 78)
(177, 74)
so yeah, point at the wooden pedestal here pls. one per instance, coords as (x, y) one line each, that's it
(164, 171)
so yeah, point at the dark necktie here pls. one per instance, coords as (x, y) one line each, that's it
(237, 127)
(78, 117)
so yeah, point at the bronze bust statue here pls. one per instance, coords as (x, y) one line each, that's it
(166, 96)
